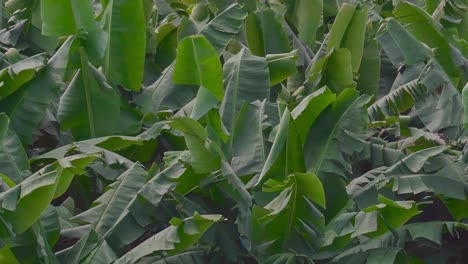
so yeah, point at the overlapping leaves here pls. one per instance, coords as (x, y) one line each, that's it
(292, 131)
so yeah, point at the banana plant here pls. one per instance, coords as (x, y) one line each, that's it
(233, 131)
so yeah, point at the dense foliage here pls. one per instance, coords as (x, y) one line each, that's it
(224, 131)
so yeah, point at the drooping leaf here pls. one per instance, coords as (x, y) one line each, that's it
(428, 31)
(431, 231)
(23, 204)
(108, 207)
(398, 100)
(15, 76)
(101, 219)
(164, 94)
(221, 30)
(413, 51)
(27, 106)
(177, 237)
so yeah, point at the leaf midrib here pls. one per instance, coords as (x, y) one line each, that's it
(197, 62)
(236, 93)
(89, 104)
(111, 199)
(109, 7)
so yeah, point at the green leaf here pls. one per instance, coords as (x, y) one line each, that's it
(278, 145)
(13, 158)
(74, 15)
(353, 39)
(338, 73)
(369, 71)
(108, 208)
(348, 32)
(410, 166)
(222, 29)
(244, 202)
(92, 146)
(346, 114)
(170, 178)
(286, 258)
(309, 109)
(110, 221)
(202, 160)
(291, 218)
(465, 105)
(397, 101)
(264, 33)
(7, 256)
(386, 215)
(15, 76)
(248, 148)
(413, 50)
(281, 66)
(341, 23)
(387, 255)
(426, 29)
(328, 147)
(433, 230)
(180, 235)
(446, 179)
(197, 52)
(27, 108)
(4, 124)
(89, 107)
(23, 204)
(246, 80)
(195, 256)
(429, 230)
(164, 94)
(250, 109)
(203, 103)
(124, 22)
(306, 16)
